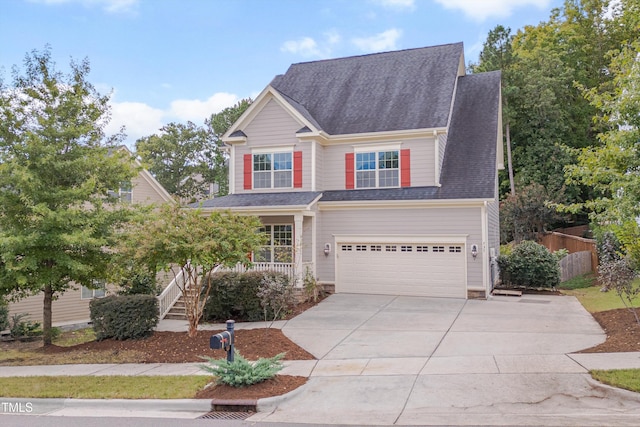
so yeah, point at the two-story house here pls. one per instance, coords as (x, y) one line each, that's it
(377, 173)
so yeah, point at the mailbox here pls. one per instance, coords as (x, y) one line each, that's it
(224, 340)
(221, 341)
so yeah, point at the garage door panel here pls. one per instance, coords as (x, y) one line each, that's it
(410, 269)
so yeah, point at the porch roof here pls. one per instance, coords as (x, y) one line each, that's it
(301, 198)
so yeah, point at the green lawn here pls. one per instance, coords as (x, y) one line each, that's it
(628, 379)
(593, 300)
(104, 387)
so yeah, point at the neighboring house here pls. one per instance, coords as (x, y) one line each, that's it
(376, 173)
(72, 307)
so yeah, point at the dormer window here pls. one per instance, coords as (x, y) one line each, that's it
(378, 169)
(272, 170)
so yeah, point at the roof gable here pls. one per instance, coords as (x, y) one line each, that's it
(400, 90)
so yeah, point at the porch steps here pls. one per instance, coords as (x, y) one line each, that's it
(178, 311)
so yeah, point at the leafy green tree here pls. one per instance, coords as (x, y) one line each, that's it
(527, 214)
(217, 126)
(178, 159)
(192, 246)
(57, 220)
(613, 168)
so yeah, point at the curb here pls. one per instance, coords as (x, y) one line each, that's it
(269, 404)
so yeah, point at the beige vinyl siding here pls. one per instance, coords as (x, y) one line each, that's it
(493, 213)
(68, 309)
(442, 146)
(145, 193)
(320, 171)
(273, 126)
(407, 221)
(422, 162)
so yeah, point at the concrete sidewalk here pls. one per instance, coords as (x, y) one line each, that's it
(386, 360)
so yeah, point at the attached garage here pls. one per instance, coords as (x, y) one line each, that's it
(402, 266)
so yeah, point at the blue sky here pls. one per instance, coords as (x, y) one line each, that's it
(177, 60)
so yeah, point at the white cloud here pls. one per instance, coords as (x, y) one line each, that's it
(110, 6)
(140, 120)
(398, 4)
(307, 47)
(479, 10)
(196, 110)
(379, 42)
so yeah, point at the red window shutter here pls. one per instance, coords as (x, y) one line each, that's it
(349, 171)
(248, 160)
(405, 168)
(297, 169)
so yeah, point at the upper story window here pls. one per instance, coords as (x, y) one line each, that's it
(377, 169)
(272, 170)
(124, 193)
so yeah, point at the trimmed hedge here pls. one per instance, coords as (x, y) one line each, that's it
(235, 296)
(124, 316)
(530, 265)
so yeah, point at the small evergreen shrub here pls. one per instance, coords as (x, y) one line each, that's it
(124, 316)
(530, 265)
(235, 296)
(241, 372)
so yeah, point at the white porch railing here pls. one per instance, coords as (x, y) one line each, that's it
(280, 267)
(171, 294)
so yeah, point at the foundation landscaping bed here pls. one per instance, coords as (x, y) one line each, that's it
(623, 335)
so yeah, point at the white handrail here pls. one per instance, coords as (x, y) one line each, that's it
(170, 295)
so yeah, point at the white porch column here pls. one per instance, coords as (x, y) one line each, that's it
(297, 248)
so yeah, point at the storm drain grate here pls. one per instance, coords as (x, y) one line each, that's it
(222, 415)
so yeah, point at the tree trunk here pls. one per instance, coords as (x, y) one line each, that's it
(511, 183)
(46, 314)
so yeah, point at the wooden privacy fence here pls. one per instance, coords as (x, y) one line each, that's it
(555, 241)
(575, 264)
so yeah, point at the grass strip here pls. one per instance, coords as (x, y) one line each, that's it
(628, 379)
(104, 387)
(594, 300)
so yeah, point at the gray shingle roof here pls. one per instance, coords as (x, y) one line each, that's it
(407, 89)
(298, 198)
(469, 165)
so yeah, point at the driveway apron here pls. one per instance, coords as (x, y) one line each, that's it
(430, 361)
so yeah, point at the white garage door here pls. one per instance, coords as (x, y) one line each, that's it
(424, 269)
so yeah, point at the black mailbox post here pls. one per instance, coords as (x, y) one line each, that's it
(224, 340)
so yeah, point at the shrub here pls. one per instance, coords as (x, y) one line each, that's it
(23, 329)
(530, 265)
(241, 372)
(4, 314)
(124, 316)
(312, 289)
(235, 296)
(139, 283)
(276, 296)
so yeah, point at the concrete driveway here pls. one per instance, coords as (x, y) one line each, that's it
(425, 361)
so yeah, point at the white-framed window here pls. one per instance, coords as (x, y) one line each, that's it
(98, 292)
(279, 247)
(124, 193)
(273, 170)
(377, 169)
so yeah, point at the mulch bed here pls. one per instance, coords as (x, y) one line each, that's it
(177, 347)
(623, 332)
(279, 385)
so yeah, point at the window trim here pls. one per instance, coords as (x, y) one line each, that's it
(271, 153)
(101, 287)
(272, 246)
(376, 152)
